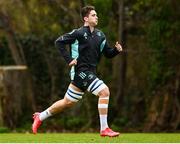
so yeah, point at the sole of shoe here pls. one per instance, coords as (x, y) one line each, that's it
(109, 136)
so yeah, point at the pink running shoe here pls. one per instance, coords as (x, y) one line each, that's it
(109, 132)
(37, 122)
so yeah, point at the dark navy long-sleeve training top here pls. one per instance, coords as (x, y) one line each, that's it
(86, 47)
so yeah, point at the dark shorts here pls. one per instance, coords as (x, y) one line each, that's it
(83, 79)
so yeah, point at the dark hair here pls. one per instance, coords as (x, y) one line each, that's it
(86, 10)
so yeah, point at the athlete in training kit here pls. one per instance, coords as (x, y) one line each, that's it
(87, 44)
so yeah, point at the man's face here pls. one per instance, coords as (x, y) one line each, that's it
(92, 18)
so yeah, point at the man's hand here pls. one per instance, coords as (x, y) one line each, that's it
(73, 62)
(118, 46)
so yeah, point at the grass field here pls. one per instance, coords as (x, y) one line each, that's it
(89, 138)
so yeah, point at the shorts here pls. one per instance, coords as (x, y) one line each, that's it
(83, 79)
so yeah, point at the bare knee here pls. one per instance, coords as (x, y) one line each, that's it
(104, 92)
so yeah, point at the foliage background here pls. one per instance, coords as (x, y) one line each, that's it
(144, 79)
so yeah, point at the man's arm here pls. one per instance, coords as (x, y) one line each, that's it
(111, 52)
(61, 43)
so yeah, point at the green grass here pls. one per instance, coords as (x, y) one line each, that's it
(89, 138)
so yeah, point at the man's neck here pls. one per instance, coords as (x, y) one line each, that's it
(91, 28)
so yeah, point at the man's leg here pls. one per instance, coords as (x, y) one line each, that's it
(103, 107)
(97, 87)
(103, 113)
(72, 96)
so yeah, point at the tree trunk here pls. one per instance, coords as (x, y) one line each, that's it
(2, 94)
(82, 3)
(176, 105)
(119, 65)
(14, 46)
(152, 114)
(16, 97)
(164, 111)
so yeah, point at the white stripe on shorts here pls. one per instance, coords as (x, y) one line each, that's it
(96, 86)
(73, 95)
(92, 84)
(100, 88)
(71, 98)
(76, 91)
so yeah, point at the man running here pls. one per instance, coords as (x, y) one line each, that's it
(87, 44)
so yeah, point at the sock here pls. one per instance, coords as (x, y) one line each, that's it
(103, 122)
(44, 115)
(103, 112)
